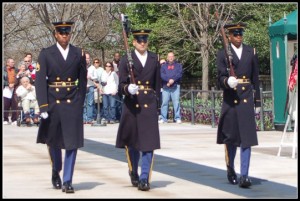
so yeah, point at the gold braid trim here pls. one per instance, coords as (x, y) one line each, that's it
(45, 105)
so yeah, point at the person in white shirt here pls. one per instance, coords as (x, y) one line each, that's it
(96, 76)
(109, 83)
(27, 93)
(89, 104)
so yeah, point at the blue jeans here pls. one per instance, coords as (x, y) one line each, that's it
(89, 106)
(109, 107)
(174, 94)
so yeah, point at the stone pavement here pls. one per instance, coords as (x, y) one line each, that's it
(189, 165)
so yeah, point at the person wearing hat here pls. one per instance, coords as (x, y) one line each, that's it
(138, 130)
(237, 126)
(60, 101)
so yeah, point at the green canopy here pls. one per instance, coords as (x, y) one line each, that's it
(281, 32)
(280, 28)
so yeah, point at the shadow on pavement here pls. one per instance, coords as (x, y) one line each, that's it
(197, 173)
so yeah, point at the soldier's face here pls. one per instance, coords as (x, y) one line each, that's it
(141, 47)
(63, 38)
(236, 39)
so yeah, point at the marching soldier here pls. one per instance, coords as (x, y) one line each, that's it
(237, 127)
(61, 103)
(138, 129)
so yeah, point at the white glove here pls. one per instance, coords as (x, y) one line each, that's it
(44, 115)
(133, 88)
(232, 82)
(257, 110)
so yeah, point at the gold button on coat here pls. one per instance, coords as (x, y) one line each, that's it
(64, 84)
(69, 79)
(142, 87)
(58, 78)
(147, 82)
(137, 105)
(145, 92)
(235, 101)
(245, 100)
(57, 101)
(68, 89)
(243, 88)
(139, 82)
(57, 89)
(69, 101)
(145, 105)
(137, 93)
(244, 77)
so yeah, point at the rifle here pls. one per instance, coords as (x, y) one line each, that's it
(126, 30)
(228, 53)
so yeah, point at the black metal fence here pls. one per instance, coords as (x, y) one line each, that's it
(200, 106)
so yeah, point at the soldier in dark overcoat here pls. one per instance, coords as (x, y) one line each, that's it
(241, 96)
(61, 102)
(138, 129)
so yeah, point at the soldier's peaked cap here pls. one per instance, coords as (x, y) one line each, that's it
(231, 27)
(141, 32)
(63, 26)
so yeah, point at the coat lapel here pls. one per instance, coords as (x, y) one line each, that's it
(57, 58)
(137, 65)
(235, 59)
(245, 54)
(70, 59)
(148, 65)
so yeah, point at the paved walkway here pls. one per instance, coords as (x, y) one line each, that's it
(189, 165)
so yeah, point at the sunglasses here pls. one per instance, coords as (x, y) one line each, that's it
(108, 66)
(237, 33)
(139, 41)
(64, 33)
(26, 61)
(96, 62)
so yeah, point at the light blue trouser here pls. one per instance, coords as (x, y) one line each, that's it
(245, 158)
(69, 162)
(174, 94)
(109, 106)
(147, 157)
(89, 111)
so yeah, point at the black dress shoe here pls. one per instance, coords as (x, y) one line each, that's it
(68, 188)
(56, 181)
(134, 178)
(144, 185)
(245, 182)
(231, 176)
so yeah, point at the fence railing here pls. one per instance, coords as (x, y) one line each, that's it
(189, 99)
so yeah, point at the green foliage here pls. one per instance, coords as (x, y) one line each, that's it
(168, 34)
